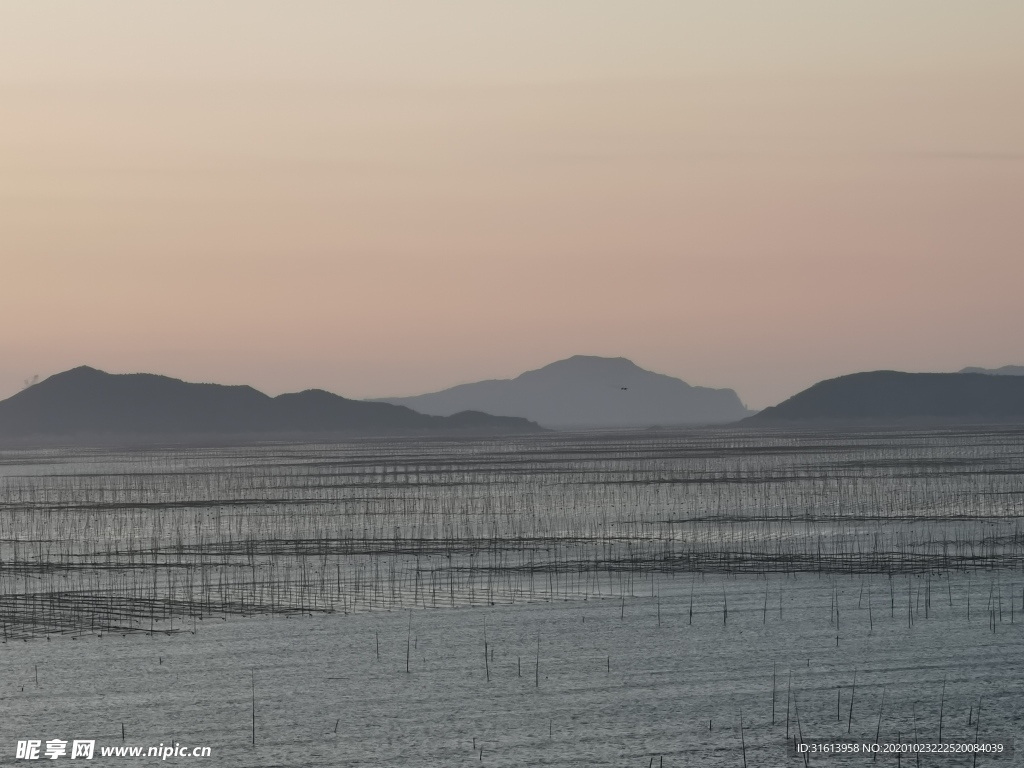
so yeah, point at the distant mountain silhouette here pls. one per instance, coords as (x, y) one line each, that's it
(882, 397)
(587, 391)
(1006, 370)
(85, 404)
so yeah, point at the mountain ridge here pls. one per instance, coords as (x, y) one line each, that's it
(84, 403)
(899, 398)
(587, 391)
(1006, 370)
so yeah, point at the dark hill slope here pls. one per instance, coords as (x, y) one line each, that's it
(882, 397)
(1006, 370)
(84, 403)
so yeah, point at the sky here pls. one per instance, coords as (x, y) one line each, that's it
(388, 198)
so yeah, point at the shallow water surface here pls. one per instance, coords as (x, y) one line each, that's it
(610, 687)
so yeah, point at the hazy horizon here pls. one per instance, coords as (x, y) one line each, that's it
(440, 389)
(384, 199)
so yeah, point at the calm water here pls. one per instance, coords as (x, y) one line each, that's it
(303, 562)
(614, 688)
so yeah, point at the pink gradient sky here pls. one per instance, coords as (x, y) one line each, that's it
(383, 198)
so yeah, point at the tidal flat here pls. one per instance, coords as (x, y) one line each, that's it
(657, 598)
